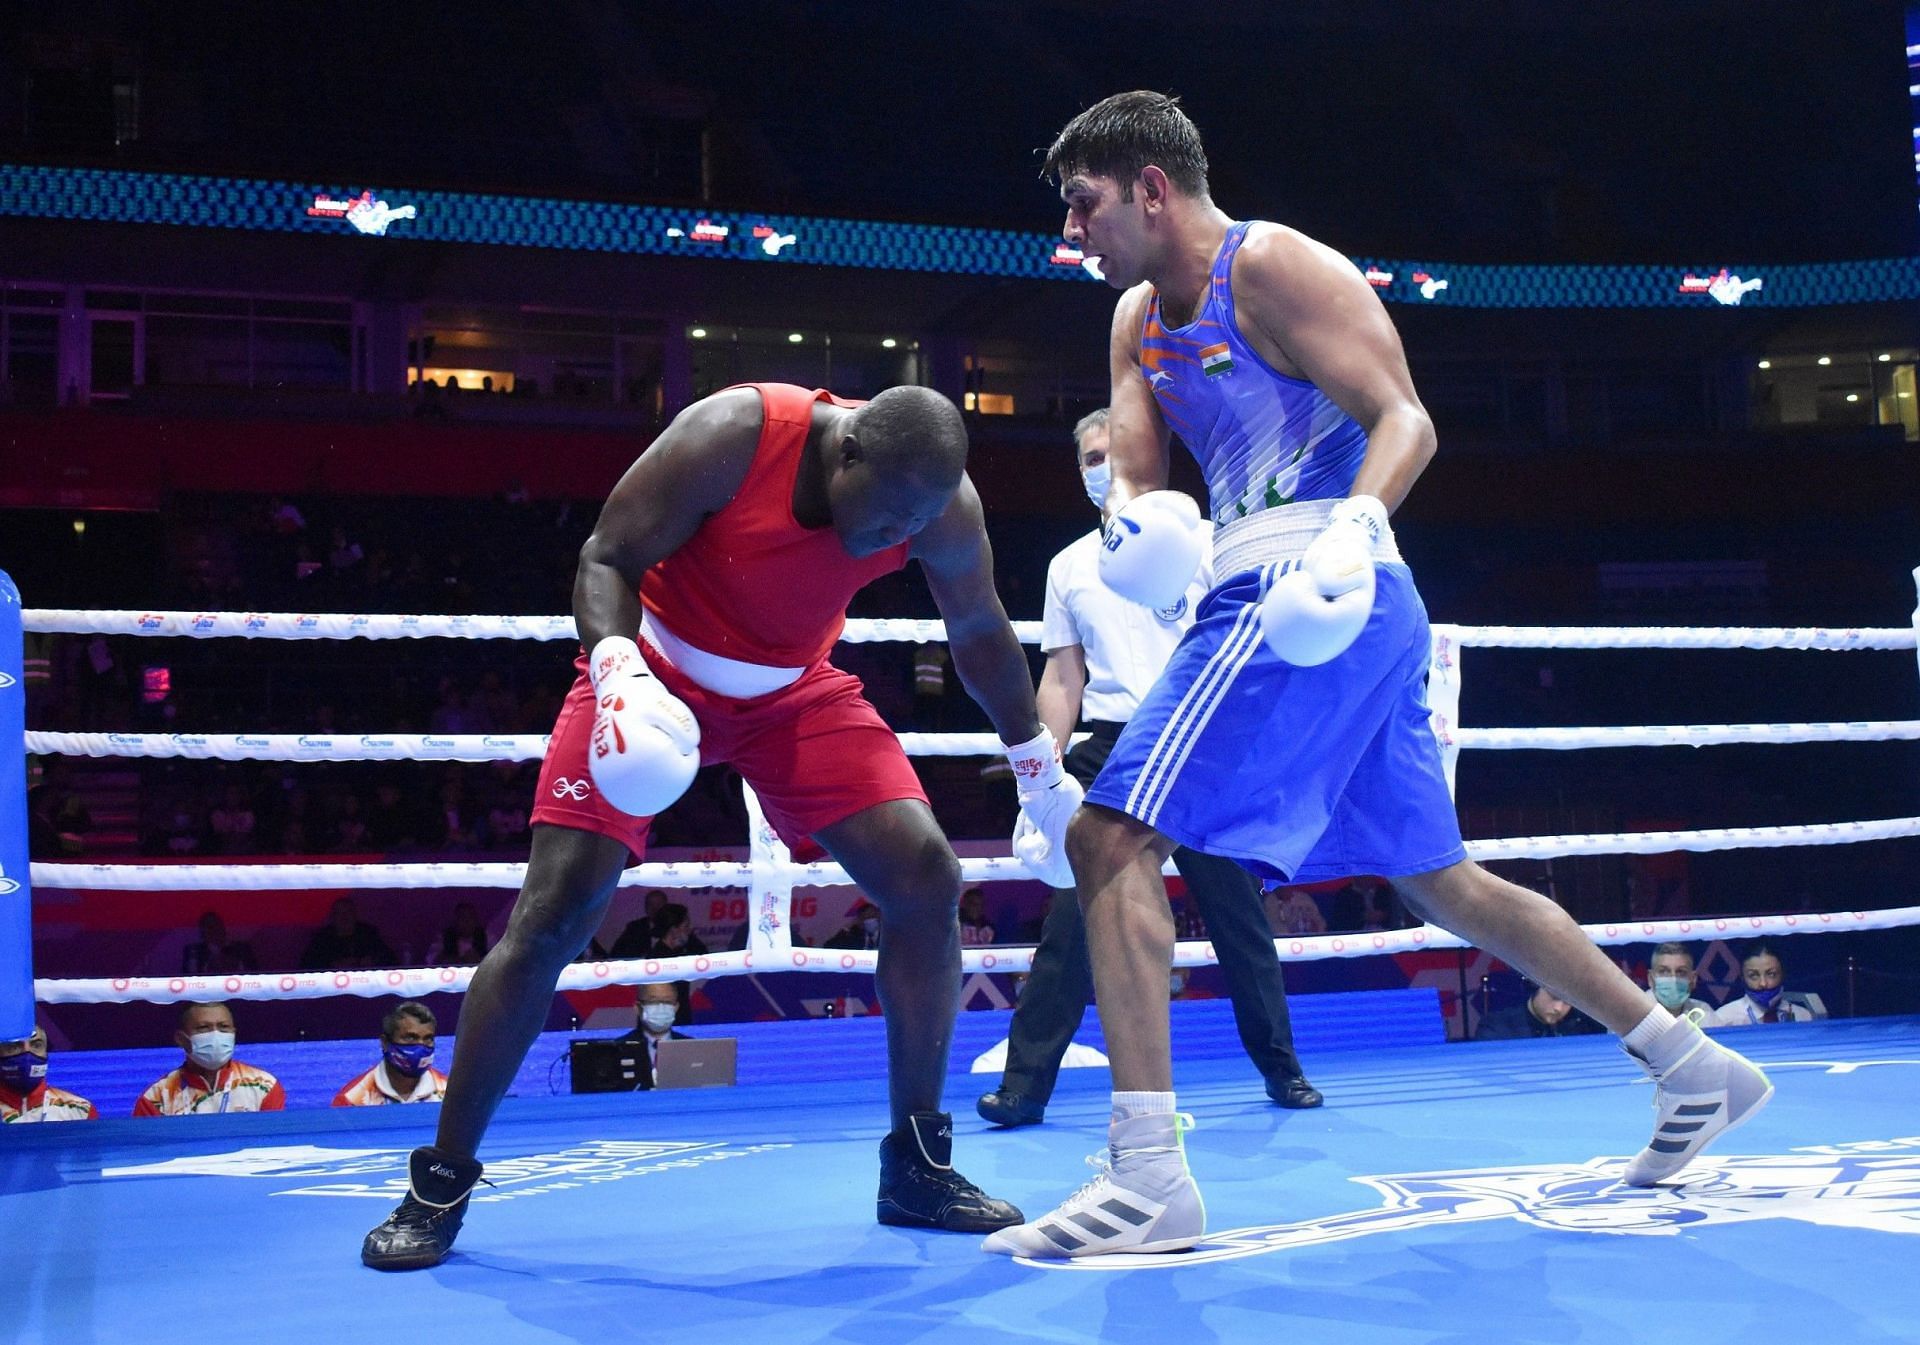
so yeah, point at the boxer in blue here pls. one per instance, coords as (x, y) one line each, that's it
(1290, 728)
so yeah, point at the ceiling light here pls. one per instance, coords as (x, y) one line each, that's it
(1766, 364)
(1853, 396)
(1824, 360)
(795, 337)
(888, 344)
(1885, 358)
(698, 333)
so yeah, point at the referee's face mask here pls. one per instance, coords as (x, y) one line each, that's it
(1096, 473)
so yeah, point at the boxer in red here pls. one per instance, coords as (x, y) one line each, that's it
(707, 600)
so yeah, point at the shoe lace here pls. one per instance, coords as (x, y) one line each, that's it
(1104, 1161)
(415, 1212)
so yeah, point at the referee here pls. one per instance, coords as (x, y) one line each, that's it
(1103, 653)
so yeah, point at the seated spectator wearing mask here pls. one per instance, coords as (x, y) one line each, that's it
(210, 1079)
(25, 1094)
(1544, 1013)
(656, 1008)
(404, 1072)
(1672, 976)
(1767, 999)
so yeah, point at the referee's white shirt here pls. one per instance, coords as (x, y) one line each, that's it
(1125, 644)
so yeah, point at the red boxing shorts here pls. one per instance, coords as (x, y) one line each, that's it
(815, 753)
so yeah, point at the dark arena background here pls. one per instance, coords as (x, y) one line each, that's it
(326, 329)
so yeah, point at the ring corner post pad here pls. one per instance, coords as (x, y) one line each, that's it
(16, 892)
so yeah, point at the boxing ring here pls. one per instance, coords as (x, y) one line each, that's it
(1441, 1194)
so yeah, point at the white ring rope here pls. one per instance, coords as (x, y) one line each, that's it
(1678, 637)
(346, 626)
(473, 747)
(771, 875)
(285, 877)
(413, 982)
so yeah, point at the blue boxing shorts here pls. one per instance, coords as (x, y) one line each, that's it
(1301, 774)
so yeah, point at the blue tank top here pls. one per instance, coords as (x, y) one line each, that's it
(1262, 439)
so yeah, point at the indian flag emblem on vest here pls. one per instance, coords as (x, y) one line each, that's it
(1216, 361)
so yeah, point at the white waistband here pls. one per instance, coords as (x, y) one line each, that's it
(717, 673)
(1281, 533)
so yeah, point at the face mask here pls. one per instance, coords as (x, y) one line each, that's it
(1670, 990)
(1764, 998)
(210, 1050)
(410, 1059)
(659, 1017)
(1098, 481)
(23, 1073)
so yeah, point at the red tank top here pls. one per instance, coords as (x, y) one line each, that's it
(751, 583)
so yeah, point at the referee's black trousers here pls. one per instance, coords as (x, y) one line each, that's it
(1061, 983)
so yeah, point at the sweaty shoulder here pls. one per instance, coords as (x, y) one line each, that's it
(1280, 269)
(710, 446)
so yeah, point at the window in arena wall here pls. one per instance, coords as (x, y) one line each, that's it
(570, 356)
(29, 345)
(854, 364)
(1837, 388)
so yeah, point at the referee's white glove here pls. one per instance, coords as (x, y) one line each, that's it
(1317, 609)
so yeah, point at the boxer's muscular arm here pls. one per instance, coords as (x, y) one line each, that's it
(694, 468)
(1310, 304)
(1137, 434)
(954, 553)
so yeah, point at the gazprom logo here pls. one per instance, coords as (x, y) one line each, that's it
(318, 744)
(378, 744)
(7, 886)
(6, 681)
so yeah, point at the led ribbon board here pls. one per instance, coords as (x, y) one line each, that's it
(115, 196)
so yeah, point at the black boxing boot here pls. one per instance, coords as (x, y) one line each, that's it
(421, 1231)
(920, 1189)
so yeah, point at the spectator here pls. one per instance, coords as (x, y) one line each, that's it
(976, 931)
(391, 824)
(636, 937)
(1296, 912)
(404, 1072)
(25, 1094)
(346, 942)
(1545, 1013)
(345, 555)
(184, 834)
(1767, 999)
(862, 929)
(657, 1007)
(233, 823)
(351, 831)
(210, 1079)
(673, 934)
(215, 954)
(464, 942)
(1672, 977)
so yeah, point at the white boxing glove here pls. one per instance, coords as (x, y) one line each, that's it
(1316, 610)
(1049, 797)
(1151, 550)
(646, 742)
